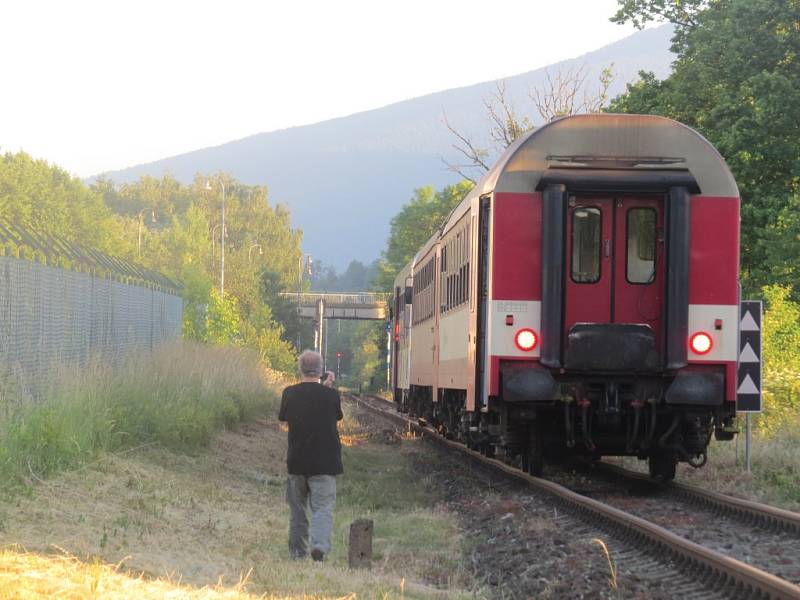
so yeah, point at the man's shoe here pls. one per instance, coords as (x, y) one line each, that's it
(317, 555)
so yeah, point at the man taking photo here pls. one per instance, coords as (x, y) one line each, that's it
(314, 458)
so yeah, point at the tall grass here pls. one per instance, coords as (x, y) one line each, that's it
(177, 396)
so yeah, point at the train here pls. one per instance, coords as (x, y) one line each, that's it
(583, 299)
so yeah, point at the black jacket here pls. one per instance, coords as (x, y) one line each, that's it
(312, 410)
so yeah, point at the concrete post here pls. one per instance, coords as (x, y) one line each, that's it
(359, 555)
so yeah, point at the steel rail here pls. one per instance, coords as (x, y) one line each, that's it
(738, 579)
(756, 513)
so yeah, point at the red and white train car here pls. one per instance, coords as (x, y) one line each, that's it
(583, 298)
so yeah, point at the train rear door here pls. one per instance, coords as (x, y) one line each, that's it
(589, 281)
(615, 271)
(640, 259)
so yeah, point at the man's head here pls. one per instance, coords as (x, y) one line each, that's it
(310, 364)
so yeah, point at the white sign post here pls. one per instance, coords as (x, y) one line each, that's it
(749, 374)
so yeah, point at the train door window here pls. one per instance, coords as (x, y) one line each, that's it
(586, 234)
(443, 279)
(641, 245)
(468, 292)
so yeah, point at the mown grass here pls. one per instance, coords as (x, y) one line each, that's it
(220, 515)
(179, 397)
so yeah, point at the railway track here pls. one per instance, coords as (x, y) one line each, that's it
(747, 512)
(719, 574)
(762, 536)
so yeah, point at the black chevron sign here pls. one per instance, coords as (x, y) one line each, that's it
(748, 384)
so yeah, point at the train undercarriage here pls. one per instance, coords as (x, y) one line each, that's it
(592, 417)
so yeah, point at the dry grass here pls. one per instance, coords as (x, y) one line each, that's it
(151, 523)
(180, 396)
(29, 575)
(774, 478)
(26, 576)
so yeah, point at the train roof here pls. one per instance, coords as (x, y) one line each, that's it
(603, 143)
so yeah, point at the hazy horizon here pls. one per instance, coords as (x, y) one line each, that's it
(177, 77)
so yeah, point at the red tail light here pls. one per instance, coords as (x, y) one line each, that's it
(526, 339)
(701, 343)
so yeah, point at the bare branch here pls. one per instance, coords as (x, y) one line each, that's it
(474, 154)
(561, 94)
(557, 97)
(460, 170)
(506, 126)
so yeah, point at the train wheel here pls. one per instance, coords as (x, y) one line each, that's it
(533, 461)
(662, 466)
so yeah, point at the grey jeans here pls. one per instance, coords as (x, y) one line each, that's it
(317, 492)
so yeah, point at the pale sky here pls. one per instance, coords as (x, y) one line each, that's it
(100, 85)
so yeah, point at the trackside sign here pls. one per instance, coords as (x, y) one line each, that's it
(748, 389)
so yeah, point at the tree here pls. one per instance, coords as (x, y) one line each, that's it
(183, 242)
(416, 222)
(47, 199)
(681, 13)
(564, 93)
(781, 355)
(368, 364)
(737, 81)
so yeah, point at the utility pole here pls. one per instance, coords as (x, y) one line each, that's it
(305, 262)
(141, 224)
(250, 252)
(222, 240)
(319, 327)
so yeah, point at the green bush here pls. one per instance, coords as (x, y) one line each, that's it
(178, 397)
(781, 355)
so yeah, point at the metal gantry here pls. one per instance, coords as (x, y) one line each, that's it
(320, 306)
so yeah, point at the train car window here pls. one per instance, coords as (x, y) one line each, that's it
(455, 259)
(422, 301)
(641, 245)
(586, 234)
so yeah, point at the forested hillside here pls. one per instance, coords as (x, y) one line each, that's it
(174, 228)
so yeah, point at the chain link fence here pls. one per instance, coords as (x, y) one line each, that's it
(52, 318)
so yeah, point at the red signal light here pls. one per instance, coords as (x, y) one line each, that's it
(338, 355)
(526, 339)
(701, 343)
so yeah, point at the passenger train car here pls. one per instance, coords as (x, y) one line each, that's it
(583, 298)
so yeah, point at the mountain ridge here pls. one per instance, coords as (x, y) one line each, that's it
(369, 162)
